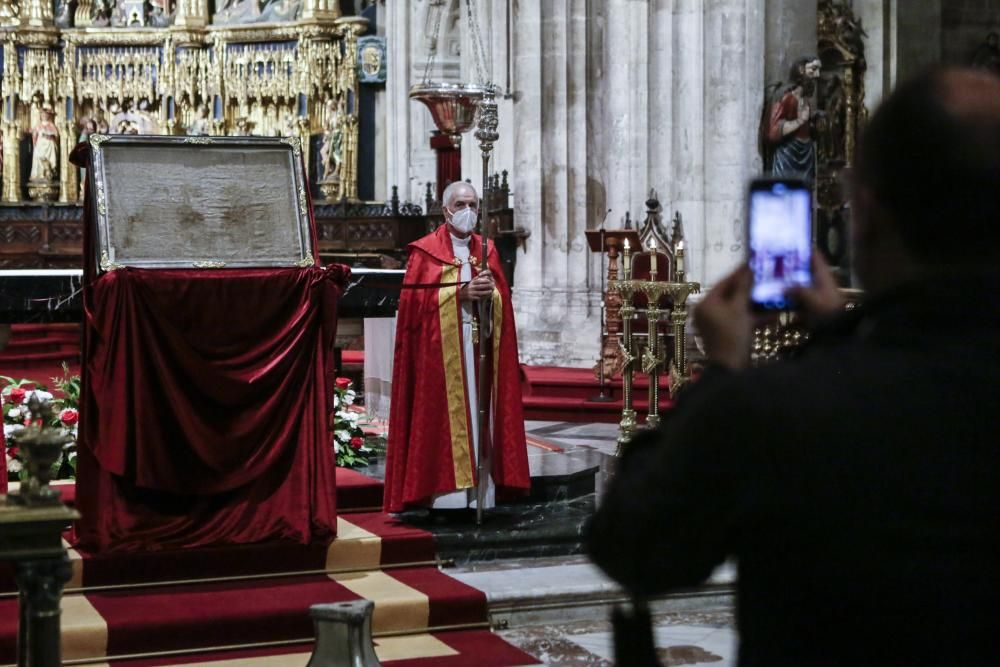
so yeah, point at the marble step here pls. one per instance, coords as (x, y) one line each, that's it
(531, 592)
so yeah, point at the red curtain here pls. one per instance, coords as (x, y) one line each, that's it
(205, 397)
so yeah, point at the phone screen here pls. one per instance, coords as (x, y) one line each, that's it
(779, 231)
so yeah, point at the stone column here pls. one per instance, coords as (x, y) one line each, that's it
(790, 32)
(396, 99)
(733, 97)
(687, 182)
(625, 105)
(555, 306)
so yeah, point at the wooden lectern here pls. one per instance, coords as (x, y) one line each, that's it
(611, 242)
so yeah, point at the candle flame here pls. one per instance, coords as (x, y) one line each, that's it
(626, 244)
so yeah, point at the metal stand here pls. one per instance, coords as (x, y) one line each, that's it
(652, 358)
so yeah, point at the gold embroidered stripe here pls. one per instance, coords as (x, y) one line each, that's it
(454, 378)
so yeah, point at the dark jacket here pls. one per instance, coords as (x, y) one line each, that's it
(857, 486)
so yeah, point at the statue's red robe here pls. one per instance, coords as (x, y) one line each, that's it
(430, 428)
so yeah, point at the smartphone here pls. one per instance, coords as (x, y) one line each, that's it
(779, 240)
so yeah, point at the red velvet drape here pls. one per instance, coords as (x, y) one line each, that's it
(204, 404)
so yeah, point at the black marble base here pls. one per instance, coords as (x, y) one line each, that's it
(557, 476)
(550, 521)
(520, 530)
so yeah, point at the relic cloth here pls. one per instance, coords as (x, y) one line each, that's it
(204, 403)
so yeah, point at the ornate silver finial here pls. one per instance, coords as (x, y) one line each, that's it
(489, 120)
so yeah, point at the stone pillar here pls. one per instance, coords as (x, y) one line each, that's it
(663, 94)
(687, 182)
(397, 103)
(555, 305)
(874, 16)
(733, 98)
(625, 105)
(790, 32)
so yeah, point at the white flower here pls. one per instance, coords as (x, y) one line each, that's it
(13, 465)
(10, 429)
(336, 447)
(14, 413)
(349, 397)
(336, 401)
(343, 435)
(42, 396)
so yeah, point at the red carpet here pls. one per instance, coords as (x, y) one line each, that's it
(164, 608)
(553, 393)
(456, 648)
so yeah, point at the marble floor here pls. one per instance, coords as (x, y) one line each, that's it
(543, 593)
(681, 638)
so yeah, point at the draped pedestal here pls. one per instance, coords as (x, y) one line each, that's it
(204, 407)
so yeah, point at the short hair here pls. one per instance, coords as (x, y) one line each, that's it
(450, 192)
(931, 157)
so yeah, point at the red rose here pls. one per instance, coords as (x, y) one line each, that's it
(69, 416)
(12, 452)
(357, 442)
(16, 395)
(343, 383)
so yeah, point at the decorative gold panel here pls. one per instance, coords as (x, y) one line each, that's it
(161, 68)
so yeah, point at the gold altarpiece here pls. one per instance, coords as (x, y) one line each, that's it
(85, 66)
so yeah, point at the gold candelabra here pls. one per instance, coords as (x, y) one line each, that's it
(652, 357)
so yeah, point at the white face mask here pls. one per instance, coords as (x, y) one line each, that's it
(464, 221)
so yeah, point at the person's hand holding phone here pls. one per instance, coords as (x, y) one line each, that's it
(724, 321)
(821, 300)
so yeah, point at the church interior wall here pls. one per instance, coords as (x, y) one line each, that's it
(605, 101)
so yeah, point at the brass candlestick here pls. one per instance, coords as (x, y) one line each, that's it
(652, 359)
(626, 288)
(679, 293)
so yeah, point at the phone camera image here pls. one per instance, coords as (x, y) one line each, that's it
(779, 243)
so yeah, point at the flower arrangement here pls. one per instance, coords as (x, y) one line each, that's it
(14, 398)
(348, 439)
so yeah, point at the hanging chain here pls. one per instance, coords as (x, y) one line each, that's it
(433, 47)
(477, 44)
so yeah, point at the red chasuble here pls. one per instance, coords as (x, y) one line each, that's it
(430, 448)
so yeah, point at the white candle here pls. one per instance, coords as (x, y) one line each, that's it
(679, 254)
(652, 259)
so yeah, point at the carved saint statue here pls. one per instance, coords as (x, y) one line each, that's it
(786, 128)
(331, 153)
(202, 123)
(45, 147)
(88, 128)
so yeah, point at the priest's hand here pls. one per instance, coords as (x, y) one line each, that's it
(480, 287)
(724, 321)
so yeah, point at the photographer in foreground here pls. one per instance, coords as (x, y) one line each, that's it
(858, 485)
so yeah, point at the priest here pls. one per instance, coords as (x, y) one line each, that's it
(433, 449)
